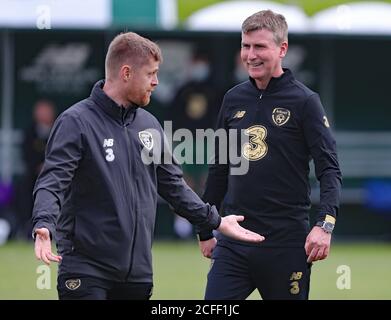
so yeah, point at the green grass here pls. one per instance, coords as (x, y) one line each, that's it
(18, 273)
(370, 273)
(310, 7)
(180, 272)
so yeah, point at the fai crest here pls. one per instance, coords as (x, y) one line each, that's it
(146, 139)
(73, 284)
(280, 116)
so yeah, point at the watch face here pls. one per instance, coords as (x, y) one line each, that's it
(328, 226)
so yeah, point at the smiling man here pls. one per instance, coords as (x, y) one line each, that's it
(97, 198)
(287, 126)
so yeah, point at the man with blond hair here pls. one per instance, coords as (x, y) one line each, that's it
(287, 126)
(97, 197)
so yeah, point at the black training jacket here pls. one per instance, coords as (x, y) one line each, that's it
(287, 127)
(98, 198)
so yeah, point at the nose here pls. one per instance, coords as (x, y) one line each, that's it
(155, 81)
(251, 54)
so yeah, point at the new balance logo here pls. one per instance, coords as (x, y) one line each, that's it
(239, 114)
(296, 275)
(107, 144)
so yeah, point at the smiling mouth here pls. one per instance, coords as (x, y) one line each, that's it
(255, 65)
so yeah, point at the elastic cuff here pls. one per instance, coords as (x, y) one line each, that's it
(327, 218)
(204, 236)
(218, 222)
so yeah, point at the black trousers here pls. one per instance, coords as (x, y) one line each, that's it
(83, 287)
(278, 273)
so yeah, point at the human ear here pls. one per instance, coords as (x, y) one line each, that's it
(283, 49)
(125, 72)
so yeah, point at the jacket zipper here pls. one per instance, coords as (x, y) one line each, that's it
(128, 143)
(258, 110)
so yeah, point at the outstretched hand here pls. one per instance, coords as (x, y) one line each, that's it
(43, 247)
(230, 227)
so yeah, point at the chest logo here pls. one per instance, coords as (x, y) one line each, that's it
(256, 148)
(239, 114)
(146, 139)
(280, 116)
(108, 146)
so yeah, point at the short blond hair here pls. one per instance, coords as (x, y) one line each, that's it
(130, 48)
(267, 19)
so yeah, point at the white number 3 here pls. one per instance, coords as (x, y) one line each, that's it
(110, 155)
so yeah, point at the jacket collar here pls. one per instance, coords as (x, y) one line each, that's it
(109, 106)
(276, 83)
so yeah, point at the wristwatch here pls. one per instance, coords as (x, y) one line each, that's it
(327, 226)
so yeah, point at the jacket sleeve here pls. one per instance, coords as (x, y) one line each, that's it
(63, 153)
(185, 202)
(217, 181)
(322, 146)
